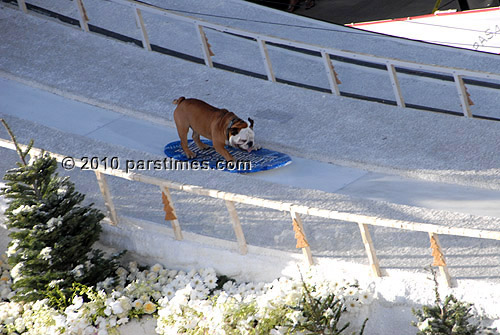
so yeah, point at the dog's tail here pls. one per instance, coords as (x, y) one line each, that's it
(178, 101)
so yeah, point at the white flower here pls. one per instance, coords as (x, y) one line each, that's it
(199, 293)
(196, 281)
(229, 287)
(293, 297)
(77, 302)
(112, 321)
(207, 272)
(133, 267)
(137, 304)
(116, 307)
(351, 305)
(279, 331)
(122, 321)
(210, 281)
(365, 297)
(172, 273)
(191, 274)
(156, 268)
(121, 272)
(125, 303)
(149, 307)
(156, 295)
(152, 276)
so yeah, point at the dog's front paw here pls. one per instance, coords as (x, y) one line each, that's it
(256, 147)
(190, 154)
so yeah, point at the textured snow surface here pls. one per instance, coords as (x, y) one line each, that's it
(309, 124)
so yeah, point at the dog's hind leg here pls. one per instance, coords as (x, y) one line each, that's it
(183, 130)
(199, 143)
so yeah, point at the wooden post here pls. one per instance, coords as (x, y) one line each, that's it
(267, 61)
(330, 72)
(140, 24)
(463, 95)
(439, 259)
(204, 46)
(235, 220)
(169, 209)
(108, 201)
(370, 250)
(83, 15)
(395, 84)
(22, 6)
(300, 235)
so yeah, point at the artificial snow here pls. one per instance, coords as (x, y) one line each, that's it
(313, 126)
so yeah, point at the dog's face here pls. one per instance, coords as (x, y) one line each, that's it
(241, 135)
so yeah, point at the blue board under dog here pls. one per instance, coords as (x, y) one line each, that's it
(246, 162)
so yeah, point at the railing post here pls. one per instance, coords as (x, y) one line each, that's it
(267, 61)
(204, 46)
(300, 236)
(108, 201)
(370, 249)
(83, 15)
(170, 214)
(330, 72)
(22, 6)
(395, 84)
(463, 95)
(439, 259)
(140, 24)
(235, 220)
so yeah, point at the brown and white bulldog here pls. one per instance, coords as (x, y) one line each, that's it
(219, 125)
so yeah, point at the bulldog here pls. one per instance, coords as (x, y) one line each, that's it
(219, 125)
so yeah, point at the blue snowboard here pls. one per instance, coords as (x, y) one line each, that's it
(246, 162)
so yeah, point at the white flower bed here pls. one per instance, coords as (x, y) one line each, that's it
(190, 303)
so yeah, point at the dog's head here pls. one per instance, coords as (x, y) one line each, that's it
(241, 135)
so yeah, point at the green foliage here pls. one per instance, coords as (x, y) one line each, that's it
(320, 314)
(448, 317)
(52, 232)
(246, 314)
(57, 298)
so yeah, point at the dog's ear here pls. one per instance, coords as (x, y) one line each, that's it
(251, 123)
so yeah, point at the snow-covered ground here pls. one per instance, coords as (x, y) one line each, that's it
(310, 125)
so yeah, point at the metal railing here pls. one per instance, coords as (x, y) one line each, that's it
(295, 211)
(391, 65)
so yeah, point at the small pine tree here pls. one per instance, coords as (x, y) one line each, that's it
(448, 317)
(52, 232)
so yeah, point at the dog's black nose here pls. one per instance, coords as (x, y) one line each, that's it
(250, 144)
